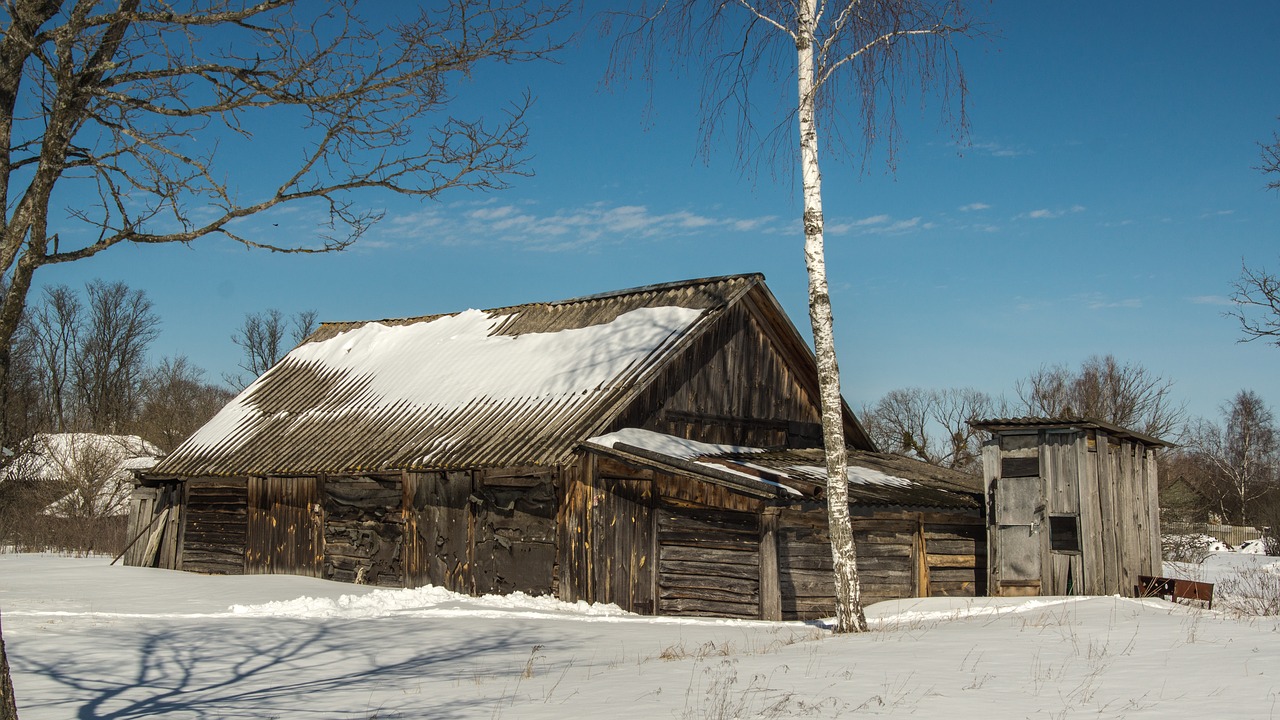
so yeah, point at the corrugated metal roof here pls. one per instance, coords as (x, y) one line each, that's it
(1045, 423)
(878, 479)
(509, 386)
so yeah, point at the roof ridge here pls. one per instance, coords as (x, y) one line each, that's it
(659, 287)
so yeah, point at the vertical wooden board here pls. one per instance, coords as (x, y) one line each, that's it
(1154, 555)
(990, 477)
(571, 559)
(1093, 582)
(1060, 575)
(441, 503)
(1106, 465)
(770, 592)
(1070, 470)
(1126, 519)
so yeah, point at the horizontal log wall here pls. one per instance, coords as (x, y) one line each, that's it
(956, 554)
(215, 527)
(708, 562)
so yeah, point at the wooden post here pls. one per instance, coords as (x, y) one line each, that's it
(922, 558)
(770, 587)
(990, 472)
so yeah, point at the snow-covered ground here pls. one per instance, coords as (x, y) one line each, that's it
(90, 641)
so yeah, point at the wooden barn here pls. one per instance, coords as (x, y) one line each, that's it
(651, 447)
(1073, 504)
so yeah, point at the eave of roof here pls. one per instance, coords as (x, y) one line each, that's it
(1064, 423)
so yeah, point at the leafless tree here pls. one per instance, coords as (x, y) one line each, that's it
(114, 116)
(1257, 298)
(932, 425)
(118, 328)
(1241, 457)
(56, 327)
(262, 340)
(178, 402)
(1128, 395)
(842, 49)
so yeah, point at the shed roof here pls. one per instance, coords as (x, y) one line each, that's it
(875, 479)
(480, 388)
(1064, 423)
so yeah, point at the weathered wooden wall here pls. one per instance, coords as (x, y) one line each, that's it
(285, 528)
(606, 535)
(901, 553)
(215, 525)
(364, 529)
(155, 527)
(720, 553)
(1075, 511)
(708, 562)
(732, 385)
(483, 531)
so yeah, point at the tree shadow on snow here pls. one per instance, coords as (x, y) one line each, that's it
(285, 669)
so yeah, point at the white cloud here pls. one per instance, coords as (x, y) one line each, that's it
(1212, 300)
(1042, 214)
(560, 230)
(971, 207)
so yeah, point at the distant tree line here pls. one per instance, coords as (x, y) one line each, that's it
(1225, 469)
(81, 383)
(80, 363)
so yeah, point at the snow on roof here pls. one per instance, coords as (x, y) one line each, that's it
(676, 447)
(516, 385)
(803, 471)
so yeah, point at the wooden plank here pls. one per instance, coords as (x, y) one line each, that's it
(1091, 561)
(1106, 464)
(770, 589)
(956, 561)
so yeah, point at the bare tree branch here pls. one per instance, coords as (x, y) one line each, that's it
(1257, 298)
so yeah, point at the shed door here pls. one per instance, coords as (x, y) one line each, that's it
(1019, 510)
(285, 533)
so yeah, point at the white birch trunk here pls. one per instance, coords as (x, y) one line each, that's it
(849, 614)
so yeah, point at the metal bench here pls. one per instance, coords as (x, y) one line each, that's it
(1174, 588)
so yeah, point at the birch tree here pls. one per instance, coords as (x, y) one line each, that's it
(115, 115)
(864, 52)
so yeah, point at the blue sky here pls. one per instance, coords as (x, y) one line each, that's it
(1103, 204)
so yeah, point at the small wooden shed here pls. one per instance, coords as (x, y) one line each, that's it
(457, 450)
(1073, 506)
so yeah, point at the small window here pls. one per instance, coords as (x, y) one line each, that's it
(1064, 533)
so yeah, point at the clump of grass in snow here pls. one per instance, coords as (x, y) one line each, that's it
(1251, 592)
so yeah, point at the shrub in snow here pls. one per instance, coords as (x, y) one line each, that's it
(1190, 548)
(1251, 591)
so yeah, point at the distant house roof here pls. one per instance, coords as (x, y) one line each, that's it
(1063, 423)
(508, 386)
(875, 479)
(95, 471)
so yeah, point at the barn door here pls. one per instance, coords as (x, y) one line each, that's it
(514, 531)
(285, 533)
(437, 536)
(1019, 511)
